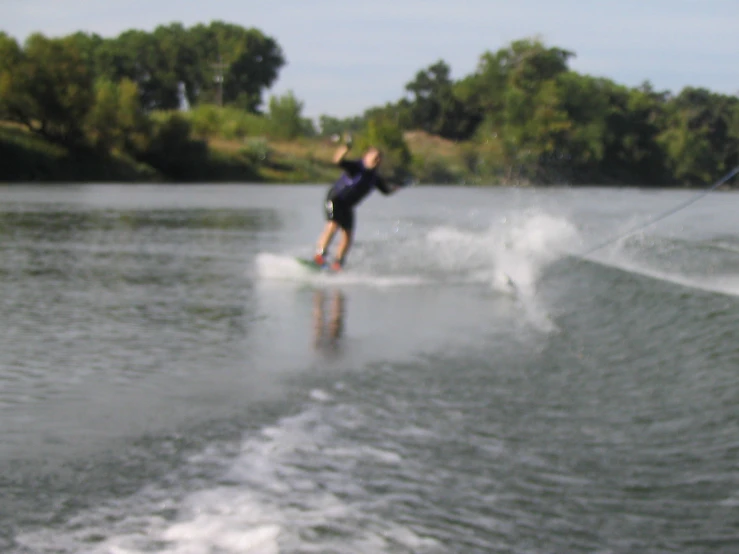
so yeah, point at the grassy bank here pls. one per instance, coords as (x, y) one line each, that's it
(275, 161)
(27, 157)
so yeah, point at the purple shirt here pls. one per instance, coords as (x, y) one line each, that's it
(356, 183)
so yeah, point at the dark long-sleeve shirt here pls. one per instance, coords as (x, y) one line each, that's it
(356, 183)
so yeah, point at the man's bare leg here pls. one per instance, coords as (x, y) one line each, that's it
(326, 236)
(344, 245)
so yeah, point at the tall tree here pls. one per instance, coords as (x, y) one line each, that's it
(698, 138)
(585, 100)
(532, 121)
(330, 125)
(433, 105)
(138, 56)
(237, 62)
(12, 96)
(47, 87)
(88, 46)
(116, 120)
(179, 55)
(635, 119)
(388, 137)
(285, 114)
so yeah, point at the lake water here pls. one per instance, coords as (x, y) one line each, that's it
(172, 381)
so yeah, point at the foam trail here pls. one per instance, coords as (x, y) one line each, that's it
(224, 520)
(285, 268)
(289, 488)
(534, 242)
(727, 247)
(509, 256)
(516, 248)
(274, 266)
(721, 285)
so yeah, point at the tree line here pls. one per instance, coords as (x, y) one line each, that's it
(522, 114)
(530, 117)
(126, 94)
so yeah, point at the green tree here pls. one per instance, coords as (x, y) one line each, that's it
(524, 64)
(434, 107)
(285, 114)
(247, 60)
(733, 156)
(47, 87)
(388, 137)
(116, 120)
(482, 92)
(698, 138)
(516, 99)
(535, 126)
(634, 121)
(330, 126)
(131, 118)
(12, 95)
(102, 119)
(397, 113)
(138, 56)
(533, 122)
(586, 102)
(173, 151)
(179, 55)
(88, 46)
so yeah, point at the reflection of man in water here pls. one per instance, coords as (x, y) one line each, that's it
(327, 333)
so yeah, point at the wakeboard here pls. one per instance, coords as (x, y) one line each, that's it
(312, 265)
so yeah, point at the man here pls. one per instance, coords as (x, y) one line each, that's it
(360, 177)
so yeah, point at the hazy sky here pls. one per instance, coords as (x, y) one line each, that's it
(344, 56)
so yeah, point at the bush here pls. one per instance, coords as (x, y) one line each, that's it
(388, 137)
(257, 151)
(435, 171)
(115, 120)
(210, 121)
(173, 151)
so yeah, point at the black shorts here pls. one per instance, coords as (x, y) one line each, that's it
(339, 212)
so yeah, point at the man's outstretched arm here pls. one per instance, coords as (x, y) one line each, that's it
(386, 187)
(340, 154)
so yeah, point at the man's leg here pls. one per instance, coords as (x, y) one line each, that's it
(344, 245)
(325, 240)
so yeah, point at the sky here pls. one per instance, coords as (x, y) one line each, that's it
(344, 57)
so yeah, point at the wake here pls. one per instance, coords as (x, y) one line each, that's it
(507, 258)
(509, 254)
(727, 285)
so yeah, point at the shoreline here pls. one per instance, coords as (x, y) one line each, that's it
(29, 159)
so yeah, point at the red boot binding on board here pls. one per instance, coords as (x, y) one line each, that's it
(319, 259)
